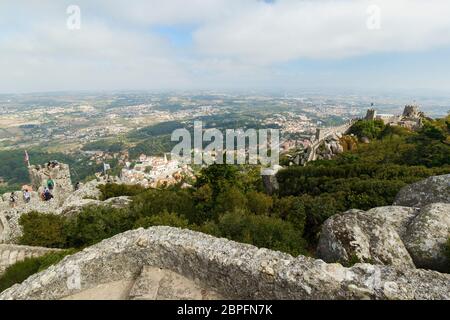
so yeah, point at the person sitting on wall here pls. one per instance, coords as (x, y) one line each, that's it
(47, 195)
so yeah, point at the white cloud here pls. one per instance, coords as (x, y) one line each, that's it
(235, 42)
(288, 30)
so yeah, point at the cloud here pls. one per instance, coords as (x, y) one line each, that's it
(289, 30)
(231, 42)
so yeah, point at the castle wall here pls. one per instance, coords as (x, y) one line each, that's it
(10, 254)
(233, 270)
(60, 175)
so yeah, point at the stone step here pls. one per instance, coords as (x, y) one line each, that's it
(4, 258)
(163, 284)
(13, 257)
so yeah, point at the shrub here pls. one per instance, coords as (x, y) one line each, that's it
(112, 190)
(20, 271)
(229, 200)
(44, 230)
(260, 231)
(293, 210)
(154, 201)
(94, 224)
(259, 203)
(162, 219)
(367, 128)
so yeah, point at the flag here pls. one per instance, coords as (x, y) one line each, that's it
(106, 166)
(27, 158)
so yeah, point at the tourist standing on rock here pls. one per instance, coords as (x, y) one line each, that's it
(50, 184)
(12, 199)
(26, 196)
(77, 185)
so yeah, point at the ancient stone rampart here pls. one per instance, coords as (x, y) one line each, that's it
(60, 174)
(229, 269)
(10, 254)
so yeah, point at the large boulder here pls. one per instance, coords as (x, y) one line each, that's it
(431, 190)
(397, 217)
(184, 263)
(427, 235)
(359, 236)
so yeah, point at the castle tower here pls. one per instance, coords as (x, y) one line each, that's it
(411, 111)
(319, 134)
(60, 174)
(371, 114)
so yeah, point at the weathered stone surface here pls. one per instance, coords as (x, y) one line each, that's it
(76, 207)
(395, 216)
(118, 202)
(431, 190)
(426, 237)
(162, 284)
(231, 269)
(370, 236)
(88, 190)
(60, 174)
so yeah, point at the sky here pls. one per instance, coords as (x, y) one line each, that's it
(45, 45)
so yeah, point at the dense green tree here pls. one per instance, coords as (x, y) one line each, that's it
(259, 203)
(112, 190)
(94, 224)
(261, 231)
(154, 201)
(368, 128)
(229, 200)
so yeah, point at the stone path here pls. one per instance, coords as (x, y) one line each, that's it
(151, 284)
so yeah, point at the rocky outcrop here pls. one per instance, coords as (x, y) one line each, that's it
(427, 235)
(400, 236)
(431, 190)
(330, 147)
(88, 190)
(269, 179)
(228, 269)
(372, 236)
(75, 207)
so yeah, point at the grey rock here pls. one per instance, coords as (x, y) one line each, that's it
(397, 217)
(118, 202)
(427, 235)
(361, 236)
(431, 190)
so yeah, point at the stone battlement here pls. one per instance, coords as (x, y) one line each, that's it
(141, 259)
(60, 174)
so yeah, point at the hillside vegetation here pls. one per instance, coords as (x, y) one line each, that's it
(228, 201)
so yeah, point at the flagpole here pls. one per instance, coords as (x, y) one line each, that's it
(27, 158)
